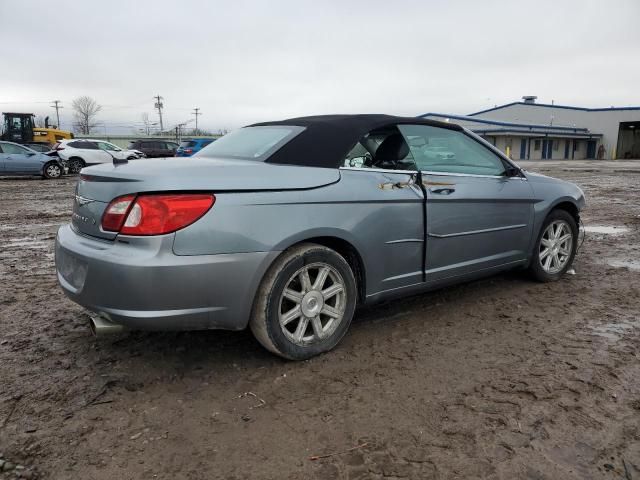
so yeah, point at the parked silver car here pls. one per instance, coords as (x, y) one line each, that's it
(18, 159)
(273, 227)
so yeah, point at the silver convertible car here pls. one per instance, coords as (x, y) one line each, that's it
(288, 226)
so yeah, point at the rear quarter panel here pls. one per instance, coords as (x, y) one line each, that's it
(382, 224)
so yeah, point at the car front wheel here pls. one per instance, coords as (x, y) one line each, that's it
(305, 303)
(52, 170)
(556, 247)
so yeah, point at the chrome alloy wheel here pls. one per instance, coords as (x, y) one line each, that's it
(312, 304)
(555, 246)
(53, 171)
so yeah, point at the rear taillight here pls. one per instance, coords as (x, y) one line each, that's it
(188, 150)
(116, 213)
(155, 214)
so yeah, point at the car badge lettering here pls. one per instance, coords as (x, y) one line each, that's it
(80, 218)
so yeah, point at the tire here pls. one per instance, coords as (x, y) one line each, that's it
(565, 252)
(316, 320)
(52, 170)
(76, 164)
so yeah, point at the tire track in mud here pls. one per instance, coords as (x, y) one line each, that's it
(500, 378)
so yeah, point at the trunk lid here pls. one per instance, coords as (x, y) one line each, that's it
(100, 184)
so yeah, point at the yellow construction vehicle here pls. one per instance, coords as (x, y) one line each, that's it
(20, 128)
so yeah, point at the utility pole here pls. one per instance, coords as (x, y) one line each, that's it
(159, 105)
(57, 106)
(196, 112)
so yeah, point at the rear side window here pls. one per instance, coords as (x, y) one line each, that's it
(13, 149)
(251, 143)
(107, 146)
(83, 145)
(437, 149)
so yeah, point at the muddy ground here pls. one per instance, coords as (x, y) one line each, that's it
(500, 378)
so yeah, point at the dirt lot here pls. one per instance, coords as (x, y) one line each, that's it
(500, 378)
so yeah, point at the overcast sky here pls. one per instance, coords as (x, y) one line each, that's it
(245, 61)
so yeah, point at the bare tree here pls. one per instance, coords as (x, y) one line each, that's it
(85, 110)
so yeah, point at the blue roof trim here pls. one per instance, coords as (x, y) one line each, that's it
(566, 107)
(510, 130)
(505, 124)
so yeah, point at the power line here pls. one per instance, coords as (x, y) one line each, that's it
(57, 106)
(159, 106)
(196, 112)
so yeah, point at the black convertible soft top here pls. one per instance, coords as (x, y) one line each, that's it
(327, 139)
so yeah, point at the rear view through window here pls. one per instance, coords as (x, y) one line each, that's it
(251, 143)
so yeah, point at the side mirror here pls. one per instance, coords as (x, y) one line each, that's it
(512, 171)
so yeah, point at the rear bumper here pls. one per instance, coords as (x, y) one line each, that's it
(143, 285)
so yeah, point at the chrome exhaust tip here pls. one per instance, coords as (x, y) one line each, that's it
(101, 327)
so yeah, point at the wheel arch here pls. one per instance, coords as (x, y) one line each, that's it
(49, 162)
(569, 206)
(340, 241)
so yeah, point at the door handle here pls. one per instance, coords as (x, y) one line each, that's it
(442, 190)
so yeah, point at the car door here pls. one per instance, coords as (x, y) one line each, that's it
(478, 217)
(389, 205)
(153, 149)
(159, 149)
(20, 160)
(169, 149)
(2, 160)
(107, 151)
(89, 152)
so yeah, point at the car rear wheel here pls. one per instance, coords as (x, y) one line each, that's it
(52, 170)
(305, 302)
(555, 248)
(76, 164)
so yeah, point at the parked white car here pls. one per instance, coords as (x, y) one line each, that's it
(79, 153)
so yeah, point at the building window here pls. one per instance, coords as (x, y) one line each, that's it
(536, 145)
(556, 144)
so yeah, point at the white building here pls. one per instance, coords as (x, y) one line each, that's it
(529, 130)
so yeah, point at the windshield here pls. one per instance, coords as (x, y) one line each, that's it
(251, 143)
(187, 143)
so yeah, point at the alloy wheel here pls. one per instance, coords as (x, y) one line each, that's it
(555, 246)
(53, 171)
(312, 304)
